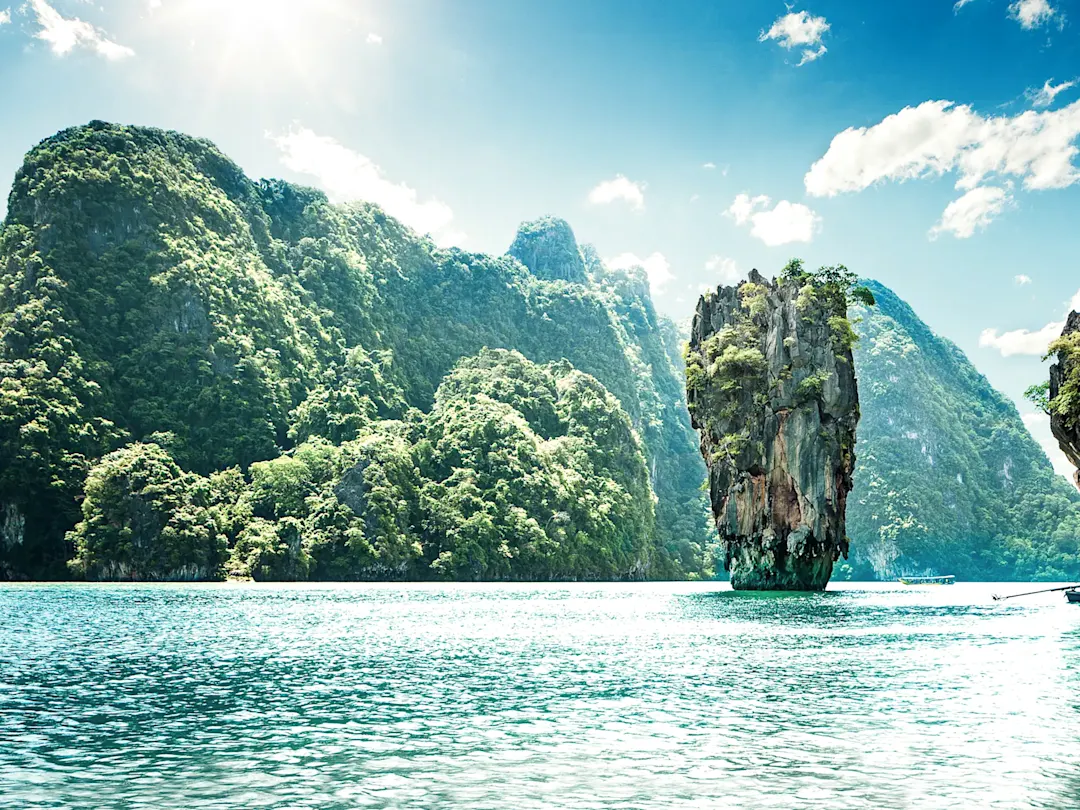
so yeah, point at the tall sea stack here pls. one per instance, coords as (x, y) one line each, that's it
(771, 389)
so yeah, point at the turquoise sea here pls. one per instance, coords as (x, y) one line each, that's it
(536, 696)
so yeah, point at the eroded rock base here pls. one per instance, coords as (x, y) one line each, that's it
(768, 565)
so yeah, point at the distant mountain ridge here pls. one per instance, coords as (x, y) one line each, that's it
(253, 373)
(948, 480)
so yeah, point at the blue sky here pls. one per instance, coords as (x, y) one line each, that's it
(686, 135)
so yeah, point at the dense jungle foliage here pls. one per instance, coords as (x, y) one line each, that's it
(204, 375)
(201, 374)
(947, 479)
(520, 471)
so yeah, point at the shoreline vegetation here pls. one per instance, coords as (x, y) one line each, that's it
(205, 375)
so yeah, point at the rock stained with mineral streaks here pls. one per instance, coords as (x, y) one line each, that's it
(1064, 426)
(771, 389)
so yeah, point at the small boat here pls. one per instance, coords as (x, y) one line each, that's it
(946, 580)
(1072, 593)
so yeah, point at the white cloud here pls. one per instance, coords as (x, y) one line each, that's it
(374, 39)
(937, 137)
(725, 270)
(65, 34)
(709, 165)
(1038, 425)
(1049, 91)
(742, 208)
(975, 209)
(655, 265)
(619, 188)
(1022, 279)
(346, 175)
(799, 29)
(784, 223)
(1031, 13)
(959, 4)
(811, 55)
(5, 16)
(1023, 341)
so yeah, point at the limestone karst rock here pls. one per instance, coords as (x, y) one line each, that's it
(548, 248)
(771, 389)
(1064, 425)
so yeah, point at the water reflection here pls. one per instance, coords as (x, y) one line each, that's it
(587, 696)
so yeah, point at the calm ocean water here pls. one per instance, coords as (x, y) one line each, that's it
(545, 696)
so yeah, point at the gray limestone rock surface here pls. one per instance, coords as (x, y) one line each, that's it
(772, 391)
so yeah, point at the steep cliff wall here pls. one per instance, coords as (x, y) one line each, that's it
(771, 389)
(1063, 422)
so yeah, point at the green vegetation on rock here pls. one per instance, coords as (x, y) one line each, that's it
(948, 479)
(771, 387)
(283, 355)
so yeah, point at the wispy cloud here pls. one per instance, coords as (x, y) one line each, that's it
(64, 34)
(782, 224)
(1024, 341)
(1022, 279)
(937, 137)
(5, 16)
(1032, 13)
(655, 265)
(959, 4)
(972, 211)
(373, 39)
(346, 175)
(710, 165)
(1045, 96)
(723, 270)
(1021, 341)
(799, 29)
(616, 189)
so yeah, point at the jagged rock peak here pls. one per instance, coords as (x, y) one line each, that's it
(771, 389)
(548, 248)
(1064, 426)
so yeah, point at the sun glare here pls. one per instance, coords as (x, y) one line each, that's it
(256, 24)
(253, 20)
(262, 44)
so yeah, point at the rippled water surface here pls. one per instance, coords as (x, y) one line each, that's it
(583, 696)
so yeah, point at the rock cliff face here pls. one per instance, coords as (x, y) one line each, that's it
(771, 389)
(1065, 429)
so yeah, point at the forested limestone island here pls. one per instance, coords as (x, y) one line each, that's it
(203, 376)
(947, 479)
(770, 383)
(207, 376)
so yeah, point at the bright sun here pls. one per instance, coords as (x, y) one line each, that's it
(239, 24)
(263, 38)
